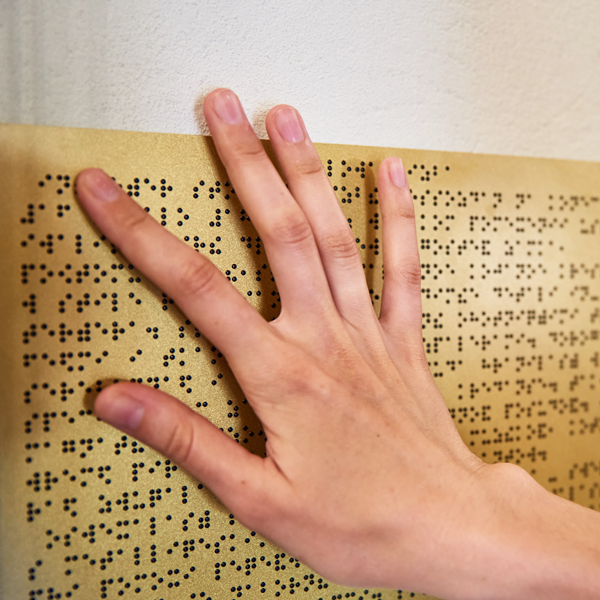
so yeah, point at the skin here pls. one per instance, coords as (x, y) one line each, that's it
(366, 479)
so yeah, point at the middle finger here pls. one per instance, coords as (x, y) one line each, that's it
(287, 235)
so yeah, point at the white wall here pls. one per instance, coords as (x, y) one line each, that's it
(503, 76)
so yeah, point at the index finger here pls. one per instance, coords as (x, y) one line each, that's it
(201, 291)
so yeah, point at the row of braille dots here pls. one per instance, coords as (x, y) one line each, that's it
(133, 190)
(199, 244)
(296, 584)
(36, 446)
(236, 435)
(233, 278)
(186, 217)
(137, 590)
(66, 182)
(427, 292)
(35, 482)
(215, 190)
(427, 174)
(124, 503)
(64, 414)
(48, 415)
(348, 197)
(69, 446)
(87, 534)
(171, 357)
(575, 200)
(149, 380)
(79, 274)
(115, 330)
(439, 222)
(154, 586)
(48, 243)
(426, 245)
(251, 563)
(292, 583)
(521, 199)
(439, 196)
(516, 455)
(64, 391)
(348, 169)
(63, 356)
(428, 268)
(46, 420)
(86, 302)
(203, 522)
(52, 595)
(463, 412)
(134, 447)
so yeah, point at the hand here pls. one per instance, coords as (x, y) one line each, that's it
(366, 479)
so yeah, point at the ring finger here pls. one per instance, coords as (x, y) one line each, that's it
(310, 187)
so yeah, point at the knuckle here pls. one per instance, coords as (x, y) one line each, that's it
(196, 277)
(403, 209)
(180, 444)
(409, 274)
(339, 245)
(246, 151)
(134, 221)
(293, 230)
(308, 167)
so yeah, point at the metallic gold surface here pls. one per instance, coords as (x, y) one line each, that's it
(510, 252)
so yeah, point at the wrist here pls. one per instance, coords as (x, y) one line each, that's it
(521, 541)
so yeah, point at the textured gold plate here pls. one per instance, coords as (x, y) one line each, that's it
(510, 253)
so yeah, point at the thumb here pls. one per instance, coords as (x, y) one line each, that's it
(234, 474)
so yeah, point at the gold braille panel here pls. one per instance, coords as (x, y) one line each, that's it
(510, 258)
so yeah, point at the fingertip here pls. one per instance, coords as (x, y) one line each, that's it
(120, 408)
(273, 111)
(393, 169)
(224, 105)
(96, 184)
(210, 96)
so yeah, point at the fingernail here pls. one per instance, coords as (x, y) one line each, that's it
(228, 107)
(288, 125)
(124, 412)
(397, 172)
(101, 186)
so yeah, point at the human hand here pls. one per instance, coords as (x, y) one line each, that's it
(366, 479)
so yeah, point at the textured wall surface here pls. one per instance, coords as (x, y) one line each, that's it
(506, 77)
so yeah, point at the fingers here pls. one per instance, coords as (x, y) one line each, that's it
(201, 291)
(236, 476)
(310, 187)
(284, 228)
(401, 309)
